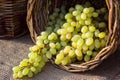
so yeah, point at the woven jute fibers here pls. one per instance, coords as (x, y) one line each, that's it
(13, 51)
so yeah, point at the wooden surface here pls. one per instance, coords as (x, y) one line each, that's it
(13, 51)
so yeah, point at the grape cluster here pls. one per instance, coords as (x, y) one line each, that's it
(85, 30)
(78, 35)
(47, 45)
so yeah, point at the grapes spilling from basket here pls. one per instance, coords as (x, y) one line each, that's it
(76, 36)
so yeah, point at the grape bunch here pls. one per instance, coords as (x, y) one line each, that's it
(46, 46)
(78, 35)
(86, 32)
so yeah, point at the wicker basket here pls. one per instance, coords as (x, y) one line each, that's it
(12, 18)
(37, 21)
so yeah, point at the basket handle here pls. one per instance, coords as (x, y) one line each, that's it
(29, 19)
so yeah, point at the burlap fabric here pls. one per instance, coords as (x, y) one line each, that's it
(13, 51)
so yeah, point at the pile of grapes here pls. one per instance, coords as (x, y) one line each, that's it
(70, 37)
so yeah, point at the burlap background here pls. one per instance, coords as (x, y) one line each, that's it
(13, 51)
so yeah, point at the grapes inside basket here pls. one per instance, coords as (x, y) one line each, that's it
(74, 39)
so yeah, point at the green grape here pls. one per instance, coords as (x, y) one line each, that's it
(50, 37)
(53, 51)
(34, 48)
(94, 54)
(63, 31)
(79, 7)
(49, 55)
(38, 58)
(86, 10)
(52, 45)
(68, 15)
(102, 35)
(75, 38)
(103, 43)
(71, 9)
(44, 58)
(91, 47)
(31, 60)
(86, 58)
(92, 9)
(102, 25)
(25, 71)
(70, 29)
(78, 17)
(15, 75)
(66, 25)
(38, 69)
(81, 22)
(83, 36)
(89, 41)
(30, 74)
(20, 75)
(63, 43)
(92, 28)
(69, 21)
(88, 21)
(54, 35)
(74, 44)
(32, 55)
(89, 53)
(80, 43)
(46, 41)
(57, 61)
(79, 58)
(78, 52)
(84, 29)
(49, 29)
(96, 33)
(67, 49)
(58, 46)
(95, 14)
(24, 62)
(39, 45)
(44, 35)
(97, 44)
(44, 50)
(16, 69)
(73, 23)
(83, 16)
(85, 47)
(42, 64)
(60, 56)
(89, 34)
(65, 61)
(76, 12)
(103, 10)
(33, 69)
(35, 64)
(68, 36)
(72, 54)
(39, 38)
(63, 37)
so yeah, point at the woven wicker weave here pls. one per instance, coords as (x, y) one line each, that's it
(37, 21)
(12, 18)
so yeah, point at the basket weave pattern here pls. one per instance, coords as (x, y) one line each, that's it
(12, 18)
(37, 20)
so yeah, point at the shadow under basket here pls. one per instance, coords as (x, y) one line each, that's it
(37, 20)
(13, 18)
